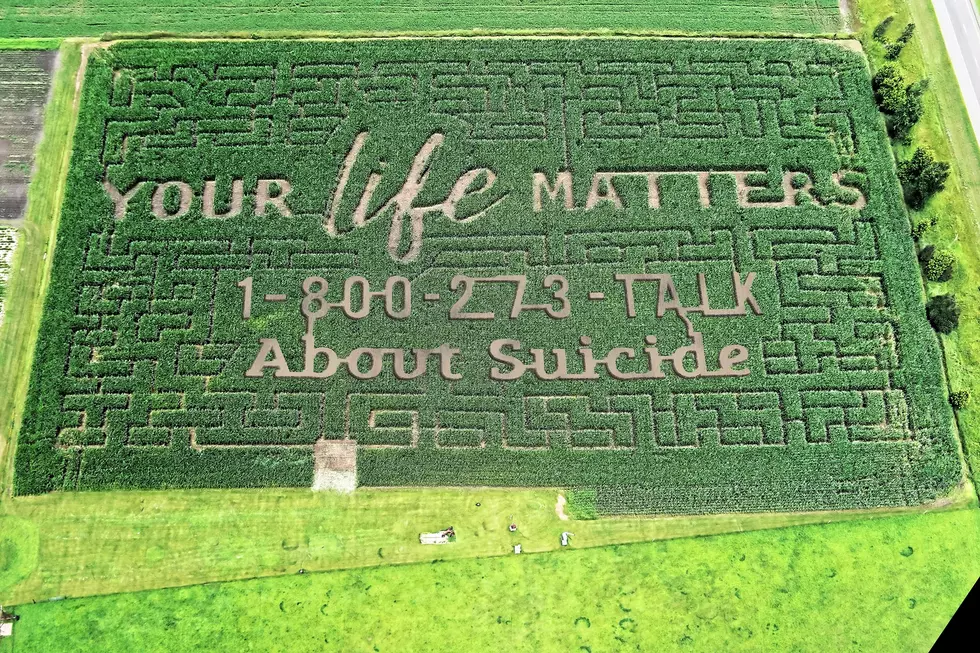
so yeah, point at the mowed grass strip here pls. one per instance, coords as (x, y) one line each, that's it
(81, 544)
(885, 585)
(29, 43)
(48, 18)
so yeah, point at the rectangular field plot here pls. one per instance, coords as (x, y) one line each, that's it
(25, 78)
(96, 17)
(678, 272)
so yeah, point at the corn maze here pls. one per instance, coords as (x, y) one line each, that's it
(676, 271)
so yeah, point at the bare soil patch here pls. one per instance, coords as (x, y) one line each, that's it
(560, 508)
(335, 465)
(25, 80)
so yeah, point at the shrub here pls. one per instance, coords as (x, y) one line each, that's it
(908, 112)
(939, 267)
(882, 28)
(959, 399)
(892, 50)
(922, 177)
(907, 33)
(943, 313)
(900, 101)
(927, 252)
(889, 87)
(919, 229)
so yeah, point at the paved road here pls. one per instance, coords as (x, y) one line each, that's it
(960, 25)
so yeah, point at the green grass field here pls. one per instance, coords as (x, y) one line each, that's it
(47, 18)
(885, 585)
(29, 43)
(80, 544)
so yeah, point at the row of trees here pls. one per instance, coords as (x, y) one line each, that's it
(921, 175)
(900, 101)
(893, 48)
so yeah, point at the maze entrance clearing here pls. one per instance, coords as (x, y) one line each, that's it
(675, 271)
(335, 465)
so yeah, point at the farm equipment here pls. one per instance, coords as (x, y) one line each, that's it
(7, 623)
(442, 537)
